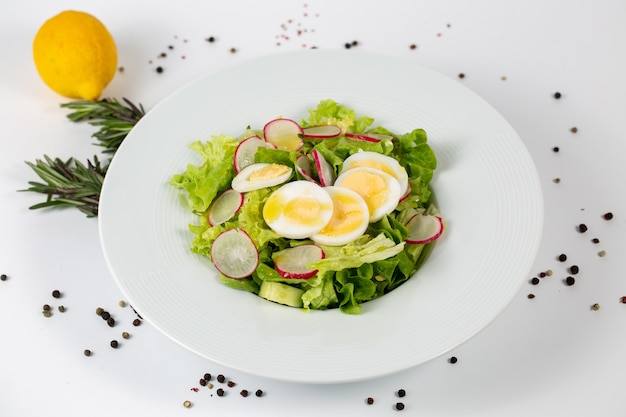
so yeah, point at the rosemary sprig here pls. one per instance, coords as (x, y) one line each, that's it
(114, 119)
(74, 184)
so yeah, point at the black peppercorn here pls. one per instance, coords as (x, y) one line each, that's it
(570, 280)
(114, 344)
(607, 216)
(573, 269)
(401, 393)
(136, 322)
(207, 377)
(259, 393)
(557, 95)
(87, 352)
(534, 281)
(3, 277)
(582, 228)
(231, 384)
(111, 322)
(105, 315)
(202, 382)
(399, 406)
(562, 257)
(221, 378)
(56, 294)
(453, 359)
(244, 393)
(220, 392)
(370, 400)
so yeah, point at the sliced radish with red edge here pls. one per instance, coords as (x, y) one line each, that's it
(369, 137)
(244, 154)
(303, 166)
(285, 134)
(292, 262)
(321, 132)
(424, 228)
(224, 207)
(234, 254)
(325, 171)
(406, 194)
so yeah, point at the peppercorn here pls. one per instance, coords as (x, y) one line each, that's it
(46, 313)
(159, 70)
(3, 277)
(61, 309)
(187, 404)
(211, 39)
(555, 149)
(595, 240)
(207, 377)
(401, 393)
(220, 392)
(557, 95)
(244, 393)
(136, 322)
(570, 280)
(202, 382)
(46, 307)
(233, 50)
(370, 400)
(602, 253)
(607, 216)
(125, 335)
(461, 75)
(399, 406)
(111, 322)
(259, 393)
(595, 307)
(99, 311)
(562, 257)
(582, 228)
(574, 129)
(105, 315)
(221, 378)
(114, 344)
(531, 296)
(231, 384)
(534, 281)
(413, 46)
(87, 352)
(622, 300)
(453, 360)
(574, 269)
(122, 303)
(56, 294)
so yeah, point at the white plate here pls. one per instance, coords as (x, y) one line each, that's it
(486, 186)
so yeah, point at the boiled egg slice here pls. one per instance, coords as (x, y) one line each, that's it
(260, 175)
(298, 209)
(380, 190)
(349, 220)
(379, 161)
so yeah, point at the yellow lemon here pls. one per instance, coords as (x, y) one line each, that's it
(75, 55)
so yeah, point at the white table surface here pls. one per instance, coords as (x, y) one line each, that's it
(549, 356)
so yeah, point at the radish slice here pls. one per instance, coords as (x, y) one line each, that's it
(325, 172)
(321, 132)
(303, 166)
(424, 229)
(369, 137)
(285, 134)
(224, 207)
(234, 254)
(292, 262)
(406, 194)
(244, 154)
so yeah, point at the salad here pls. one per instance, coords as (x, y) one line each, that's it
(328, 212)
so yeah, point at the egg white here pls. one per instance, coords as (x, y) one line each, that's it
(361, 180)
(298, 209)
(349, 221)
(379, 161)
(244, 181)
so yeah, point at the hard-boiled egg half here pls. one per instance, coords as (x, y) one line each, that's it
(298, 209)
(349, 220)
(380, 190)
(260, 175)
(379, 161)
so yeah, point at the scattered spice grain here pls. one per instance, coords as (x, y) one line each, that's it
(202, 382)
(61, 309)
(231, 384)
(595, 307)
(574, 129)
(413, 46)
(549, 272)
(210, 39)
(562, 257)
(607, 216)
(114, 344)
(453, 360)
(187, 404)
(221, 378)
(602, 253)
(87, 352)
(207, 377)
(531, 296)
(574, 269)
(534, 281)
(582, 228)
(125, 335)
(557, 95)
(3, 277)
(622, 300)
(136, 322)
(122, 303)
(159, 69)
(556, 180)
(99, 311)
(401, 393)
(56, 294)
(555, 149)
(220, 392)
(46, 307)
(46, 313)
(461, 75)
(111, 322)
(595, 240)
(259, 393)
(105, 315)
(244, 393)
(233, 50)
(370, 400)
(399, 406)
(570, 280)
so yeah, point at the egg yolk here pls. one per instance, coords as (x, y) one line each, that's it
(304, 210)
(368, 163)
(268, 172)
(368, 185)
(347, 216)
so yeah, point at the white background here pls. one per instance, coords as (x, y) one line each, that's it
(548, 356)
